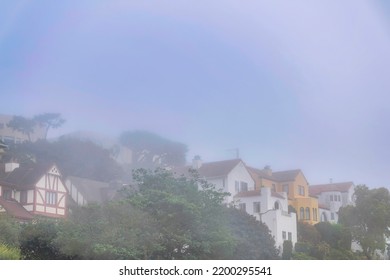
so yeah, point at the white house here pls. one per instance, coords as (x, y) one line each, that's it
(271, 208)
(229, 176)
(37, 189)
(332, 197)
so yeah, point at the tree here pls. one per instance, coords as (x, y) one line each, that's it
(369, 219)
(37, 241)
(336, 235)
(251, 238)
(9, 230)
(23, 125)
(49, 121)
(73, 157)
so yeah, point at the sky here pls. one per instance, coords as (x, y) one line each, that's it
(291, 84)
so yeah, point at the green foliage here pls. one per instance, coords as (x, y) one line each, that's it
(172, 153)
(252, 239)
(23, 125)
(307, 233)
(73, 157)
(9, 253)
(111, 231)
(190, 222)
(369, 219)
(9, 231)
(336, 235)
(287, 250)
(37, 241)
(48, 121)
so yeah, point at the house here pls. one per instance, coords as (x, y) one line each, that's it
(32, 190)
(84, 191)
(267, 205)
(295, 185)
(229, 176)
(333, 196)
(271, 208)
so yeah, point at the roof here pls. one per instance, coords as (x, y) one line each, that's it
(25, 176)
(332, 187)
(93, 191)
(15, 209)
(279, 176)
(212, 169)
(323, 206)
(257, 193)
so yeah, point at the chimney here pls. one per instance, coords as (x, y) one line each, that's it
(11, 166)
(267, 169)
(196, 162)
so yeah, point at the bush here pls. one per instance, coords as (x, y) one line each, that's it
(9, 253)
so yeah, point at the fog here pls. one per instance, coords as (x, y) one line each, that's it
(291, 85)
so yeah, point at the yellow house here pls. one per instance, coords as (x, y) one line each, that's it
(294, 183)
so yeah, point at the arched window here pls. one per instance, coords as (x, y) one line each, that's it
(323, 217)
(276, 205)
(302, 213)
(307, 213)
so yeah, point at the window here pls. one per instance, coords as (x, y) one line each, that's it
(7, 194)
(290, 236)
(301, 190)
(276, 205)
(331, 197)
(242, 206)
(244, 186)
(284, 235)
(23, 197)
(307, 213)
(237, 186)
(256, 207)
(301, 213)
(285, 188)
(332, 216)
(51, 198)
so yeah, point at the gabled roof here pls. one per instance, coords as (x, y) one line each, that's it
(284, 176)
(15, 209)
(212, 169)
(332, 187)
(279, 176)
(25, 176)
(257, 193)
(93, 191)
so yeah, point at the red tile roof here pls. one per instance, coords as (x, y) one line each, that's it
(339, 187)
(15, 209)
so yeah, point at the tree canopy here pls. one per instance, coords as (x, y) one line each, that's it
(49, 121)
(369, 219)
(165, 217)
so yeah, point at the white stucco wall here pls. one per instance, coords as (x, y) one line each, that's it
(277, 220)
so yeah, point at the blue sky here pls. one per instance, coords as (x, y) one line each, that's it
(292, 84)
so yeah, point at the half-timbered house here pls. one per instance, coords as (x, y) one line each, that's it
(38, 188)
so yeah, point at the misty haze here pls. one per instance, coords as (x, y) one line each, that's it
(222, 130)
